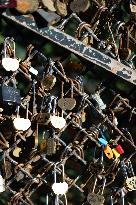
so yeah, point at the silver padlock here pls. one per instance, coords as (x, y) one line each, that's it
(59, 188)
(8, 63)
(96, 198)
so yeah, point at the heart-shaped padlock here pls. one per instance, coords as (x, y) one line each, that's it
(60, 188)
(67, 103)
(95, 199)
(58, 122)
(22, 124)
(61, 8)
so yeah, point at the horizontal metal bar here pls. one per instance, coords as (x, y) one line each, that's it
(70, 43)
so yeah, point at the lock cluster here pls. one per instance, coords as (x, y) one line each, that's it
(46, 126)
(58, 131)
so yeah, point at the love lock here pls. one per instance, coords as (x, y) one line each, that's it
(131, 179)
(96, 198)
(8, 63)
(61, 7)
(67, 103)
(10, 94)
(59, 188)
(56, 121)
(22, 124)
(27, 6)
(49, 79)
(2, 184)
(79, 5)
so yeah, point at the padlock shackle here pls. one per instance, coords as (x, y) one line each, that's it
(103, 187)
(119, 25)
(55, 172)
(80, 28)
(7, 42)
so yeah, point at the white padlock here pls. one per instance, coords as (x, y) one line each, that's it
(57, 122)
(10, 64)
(59, 188)
(22, 124)
(2, 184)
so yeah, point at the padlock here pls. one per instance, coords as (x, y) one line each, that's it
(79, 5)
(50, 146)
(9, 63)
(46, 111)
(96, 198)
(59, 188)
(49, 79)
(51, 143)
(108, 152)
(22, 124)
(102, 141)
(61, 7)
(2, 184)
(97, 166)
(27, 6)
(116, 153)
(58, 122)
(120, 149)
(132, 4)
(128, 172)
(10, 94)
(67, 103)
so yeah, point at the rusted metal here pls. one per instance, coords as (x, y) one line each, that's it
(73, 45)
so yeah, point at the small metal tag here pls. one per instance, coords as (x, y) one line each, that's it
(51, 146)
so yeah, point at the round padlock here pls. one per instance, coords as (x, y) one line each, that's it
(79, 6)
